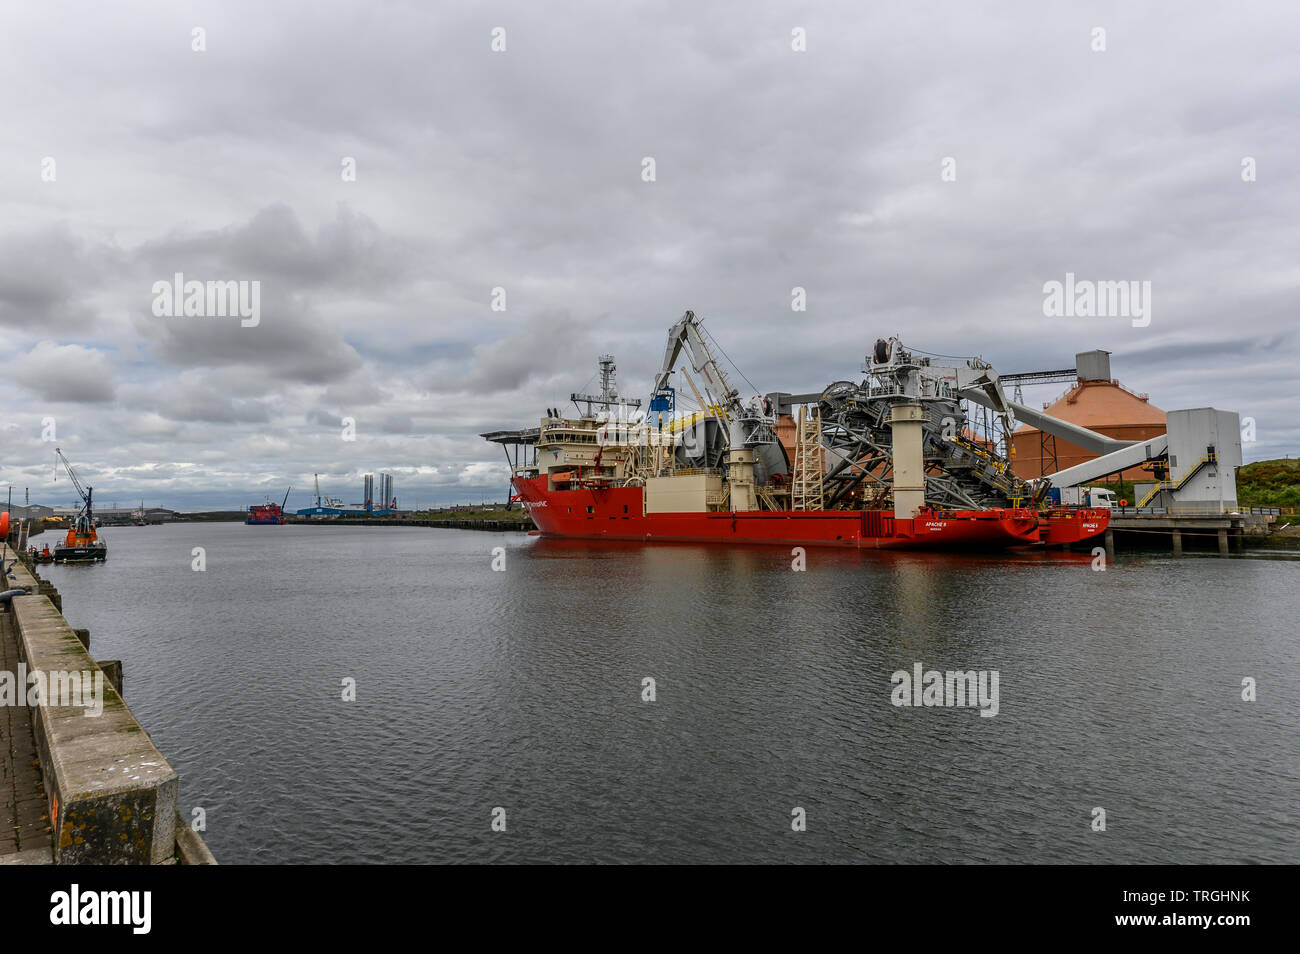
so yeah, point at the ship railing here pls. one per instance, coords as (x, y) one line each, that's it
(884, 390)
(1188, 509)
(695, 472)
(1200, 507)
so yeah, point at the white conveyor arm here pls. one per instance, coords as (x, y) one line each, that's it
(1131, 456)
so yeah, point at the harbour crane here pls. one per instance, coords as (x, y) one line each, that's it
(82, 542)
(86, 514)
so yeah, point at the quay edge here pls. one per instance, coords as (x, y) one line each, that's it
(94, 810)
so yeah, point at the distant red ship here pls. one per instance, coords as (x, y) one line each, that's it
(268, 513)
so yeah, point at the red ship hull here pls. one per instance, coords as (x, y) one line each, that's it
(269, 514)
(616, 513)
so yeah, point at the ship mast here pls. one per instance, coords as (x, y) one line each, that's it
(608, 396)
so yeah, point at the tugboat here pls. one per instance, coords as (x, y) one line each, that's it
(268, 513)
(82, 543)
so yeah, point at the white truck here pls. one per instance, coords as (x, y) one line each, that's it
(1084, 497)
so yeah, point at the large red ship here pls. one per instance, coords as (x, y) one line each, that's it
(888, 463)
(577, 508)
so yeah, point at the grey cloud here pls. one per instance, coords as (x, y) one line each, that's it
(66, 373)
(348, 252)
(290, 342)
(537, 348)
(45, 280)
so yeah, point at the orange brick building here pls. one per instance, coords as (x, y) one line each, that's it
(1097, 402)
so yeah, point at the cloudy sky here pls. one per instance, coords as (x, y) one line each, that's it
(127, 156)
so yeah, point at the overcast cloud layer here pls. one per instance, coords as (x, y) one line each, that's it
(522, 169)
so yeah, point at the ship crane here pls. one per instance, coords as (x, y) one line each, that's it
(86, 514)
(744, 427)
(82, 542)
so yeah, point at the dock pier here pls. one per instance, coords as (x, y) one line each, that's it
(77, 786)
(1229, 532)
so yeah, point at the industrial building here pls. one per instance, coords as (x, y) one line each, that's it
(122, 516)
(30, 511)
(1097, 402)
(325, 507)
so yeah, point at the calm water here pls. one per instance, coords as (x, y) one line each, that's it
(522, 689)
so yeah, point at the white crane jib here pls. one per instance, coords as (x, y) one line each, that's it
(747, 428)
(687, 332)
(718, 389)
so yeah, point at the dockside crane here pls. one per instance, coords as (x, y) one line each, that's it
(82, 542)
(86, 513)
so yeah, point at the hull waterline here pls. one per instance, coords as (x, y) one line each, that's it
(617, 513)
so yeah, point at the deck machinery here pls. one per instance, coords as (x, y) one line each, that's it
(963, 467)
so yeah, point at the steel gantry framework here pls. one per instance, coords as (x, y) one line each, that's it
(962, 467)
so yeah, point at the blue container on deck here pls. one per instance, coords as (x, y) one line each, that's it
(664, 400)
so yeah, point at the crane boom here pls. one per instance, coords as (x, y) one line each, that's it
(85, 493)
(742, 427)
(687, 333)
